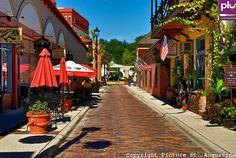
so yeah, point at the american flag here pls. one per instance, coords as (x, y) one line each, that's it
(164, 49)
(142, 65)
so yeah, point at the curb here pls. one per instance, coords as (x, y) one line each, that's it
(194, 135)
(50, 149)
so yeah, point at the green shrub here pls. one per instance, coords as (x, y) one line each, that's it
(228, 113)
(39, 107)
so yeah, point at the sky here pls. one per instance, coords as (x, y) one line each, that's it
(119, 19)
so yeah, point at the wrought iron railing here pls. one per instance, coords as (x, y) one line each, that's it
(160, 10)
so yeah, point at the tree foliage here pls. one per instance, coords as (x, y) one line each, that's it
(120, 52)
(128, 57)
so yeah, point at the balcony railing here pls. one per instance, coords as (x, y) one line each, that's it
(160, 11)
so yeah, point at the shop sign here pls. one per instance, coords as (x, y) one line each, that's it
(227, 9)
(230, 76)
(10, 35)
(57, 53)
(173, 50)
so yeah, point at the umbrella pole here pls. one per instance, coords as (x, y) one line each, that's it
(63, 94)
(42, 93)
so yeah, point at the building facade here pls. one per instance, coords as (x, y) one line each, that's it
(41, 25)
(189, 52)
(77, 22)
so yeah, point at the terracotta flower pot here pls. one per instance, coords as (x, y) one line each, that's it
(184, 107)
(38, 123)
(67, 105)
(198, 94)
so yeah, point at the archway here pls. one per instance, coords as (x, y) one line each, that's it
(49, 31)
(31, 20)
(61, 40)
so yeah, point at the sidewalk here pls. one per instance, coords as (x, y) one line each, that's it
(215, 139)
(19, 143)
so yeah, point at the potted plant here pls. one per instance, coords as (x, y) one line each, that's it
(38, 117)
(228, 115)
(176, 72)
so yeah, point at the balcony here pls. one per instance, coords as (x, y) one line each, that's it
(162, 13)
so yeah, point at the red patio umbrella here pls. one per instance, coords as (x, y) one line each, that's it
(89, 67)
(75, 70)
(63, 74)
(44, 74)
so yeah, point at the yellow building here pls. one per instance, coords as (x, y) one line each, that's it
(193, 52)
(189, 54)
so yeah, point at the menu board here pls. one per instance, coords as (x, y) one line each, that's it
(230, 76)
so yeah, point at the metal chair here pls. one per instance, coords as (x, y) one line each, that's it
(54, 102)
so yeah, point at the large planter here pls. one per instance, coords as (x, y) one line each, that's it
(229, 123)
(202, 105)
(67, 105)
(38, 123)
(197, 104)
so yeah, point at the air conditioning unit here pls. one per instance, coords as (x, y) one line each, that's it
(186, 47)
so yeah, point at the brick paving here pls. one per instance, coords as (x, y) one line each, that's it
(122, 127)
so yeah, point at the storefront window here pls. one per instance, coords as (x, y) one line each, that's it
(200, 62)
(191, 65)
(6, 66)
(179, 70)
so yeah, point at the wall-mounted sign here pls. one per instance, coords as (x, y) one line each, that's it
(57, 53)
(227, 9)
(230, 76)
(10, 35)
(173, 50)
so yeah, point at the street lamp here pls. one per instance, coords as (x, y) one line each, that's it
(96, 34)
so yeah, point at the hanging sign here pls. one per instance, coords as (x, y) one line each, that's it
(10, 35)
(230, 76)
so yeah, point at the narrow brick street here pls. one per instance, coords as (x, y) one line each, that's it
(123, 126)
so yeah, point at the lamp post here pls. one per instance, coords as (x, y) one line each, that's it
(96, 53)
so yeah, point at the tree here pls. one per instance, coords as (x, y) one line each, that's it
(129, 57)
(120, 52)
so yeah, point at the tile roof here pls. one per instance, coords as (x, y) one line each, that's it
(146, 41)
